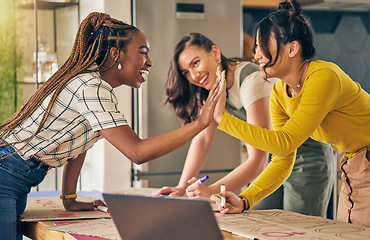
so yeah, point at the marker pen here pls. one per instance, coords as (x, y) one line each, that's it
(199, 181)
(103, 209)
(223, 199)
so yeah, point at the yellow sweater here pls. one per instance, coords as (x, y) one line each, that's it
(330, 108)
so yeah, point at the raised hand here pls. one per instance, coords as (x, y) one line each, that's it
(207, 111)
(220, 106)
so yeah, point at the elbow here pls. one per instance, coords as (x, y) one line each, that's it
(138, 158)
(284, 152)
(138, 161)
(285, 144)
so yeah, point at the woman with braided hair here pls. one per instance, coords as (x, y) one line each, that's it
(74, 109)
(311, 99)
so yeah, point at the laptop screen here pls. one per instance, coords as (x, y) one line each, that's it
(162, 218)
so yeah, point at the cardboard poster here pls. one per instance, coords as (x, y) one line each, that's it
(51, 208)
(280, 224)
(102, 228)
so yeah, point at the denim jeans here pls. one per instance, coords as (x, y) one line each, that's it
(17, 176)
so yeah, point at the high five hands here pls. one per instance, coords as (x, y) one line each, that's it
(220, 106)
(214, 96)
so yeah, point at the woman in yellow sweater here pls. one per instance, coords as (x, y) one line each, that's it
(311, 99)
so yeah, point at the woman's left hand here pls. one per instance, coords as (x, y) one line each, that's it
(73, 205)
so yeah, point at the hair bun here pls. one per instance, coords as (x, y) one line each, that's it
(293, 6)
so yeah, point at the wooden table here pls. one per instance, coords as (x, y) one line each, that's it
(36, 230)
(261, 224)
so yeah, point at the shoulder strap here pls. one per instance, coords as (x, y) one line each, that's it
(248, 69)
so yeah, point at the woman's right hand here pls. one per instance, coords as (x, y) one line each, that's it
(220, 106)
(170, 191)
(233, 203)
(207, 112)
(199, 190)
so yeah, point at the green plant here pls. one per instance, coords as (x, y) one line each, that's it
(10, 60)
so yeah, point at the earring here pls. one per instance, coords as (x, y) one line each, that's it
(219, 61)
(119, 66)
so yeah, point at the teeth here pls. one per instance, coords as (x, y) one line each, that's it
(146, 72)
(202, 81)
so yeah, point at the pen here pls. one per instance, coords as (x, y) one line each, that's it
(223, 199)
(199, 181)
(103, 209)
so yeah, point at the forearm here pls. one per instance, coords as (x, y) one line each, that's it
(71, 173)
(158, 146)
(197, 155)
(143, 150)
(274, 175)
(280, 142)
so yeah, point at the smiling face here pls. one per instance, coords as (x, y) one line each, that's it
(199, 66)
(268, 67)
(135, 61)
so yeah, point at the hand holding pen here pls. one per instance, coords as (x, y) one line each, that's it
(103, 209)
(196, 188)
(232, 203)
(100, 206)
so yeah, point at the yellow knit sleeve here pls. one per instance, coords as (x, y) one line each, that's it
(275, 174)
(277, 171)
(276, 142)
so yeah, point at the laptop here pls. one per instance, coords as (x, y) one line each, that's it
(162, 218)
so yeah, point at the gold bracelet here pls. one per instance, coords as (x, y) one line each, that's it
(74, 195)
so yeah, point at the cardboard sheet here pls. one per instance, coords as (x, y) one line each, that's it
(279, 224)
(253, 224)
(103, 228)
(51, 208)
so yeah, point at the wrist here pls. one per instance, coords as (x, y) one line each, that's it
(182, 185)
(182, 188)
(214, 189)
(201, 124)
(68, 196)
(245, 203)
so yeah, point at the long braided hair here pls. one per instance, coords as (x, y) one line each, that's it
(97, 33)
